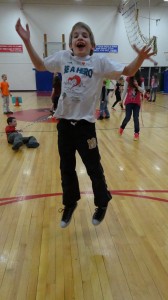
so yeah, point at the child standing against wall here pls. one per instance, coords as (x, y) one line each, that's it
(5, 92)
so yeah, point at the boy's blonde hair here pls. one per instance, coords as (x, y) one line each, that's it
(88, 29)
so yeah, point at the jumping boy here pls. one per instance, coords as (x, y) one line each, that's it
(82, 77)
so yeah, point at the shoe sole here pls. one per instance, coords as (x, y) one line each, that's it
(96, 222)
(33, 145)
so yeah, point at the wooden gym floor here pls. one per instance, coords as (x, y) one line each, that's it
(124, 258)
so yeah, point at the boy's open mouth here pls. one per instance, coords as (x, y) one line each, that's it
(80, 45)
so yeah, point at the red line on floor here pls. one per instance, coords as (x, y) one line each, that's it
(10, 200)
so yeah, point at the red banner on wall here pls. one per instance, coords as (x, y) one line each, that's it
(11, 48)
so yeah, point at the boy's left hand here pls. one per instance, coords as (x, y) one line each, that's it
(23, 33)
(145, 52)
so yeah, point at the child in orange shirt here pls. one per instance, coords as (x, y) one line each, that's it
(4, 86)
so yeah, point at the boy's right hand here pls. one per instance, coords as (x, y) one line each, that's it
(24, 34)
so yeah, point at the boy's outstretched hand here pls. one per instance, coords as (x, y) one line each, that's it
(145, 53)
(24, 34)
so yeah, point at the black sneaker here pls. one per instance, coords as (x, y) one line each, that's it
(67, 215)
(9, 112)
(98, 216)
(33, 145)
(100, 118)
(17, 145)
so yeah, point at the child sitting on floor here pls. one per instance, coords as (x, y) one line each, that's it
(15, 137)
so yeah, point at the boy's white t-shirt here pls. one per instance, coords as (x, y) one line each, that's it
(82, 79)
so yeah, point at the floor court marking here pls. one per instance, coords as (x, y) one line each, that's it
(126, 193)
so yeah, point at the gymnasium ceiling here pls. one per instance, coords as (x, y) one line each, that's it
(84, 2)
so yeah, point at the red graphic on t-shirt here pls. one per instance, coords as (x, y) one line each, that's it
(75, 80)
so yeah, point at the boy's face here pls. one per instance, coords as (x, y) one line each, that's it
(13, 123)
(81, 44)
(4, 78)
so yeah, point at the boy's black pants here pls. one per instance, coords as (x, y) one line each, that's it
(80, 136)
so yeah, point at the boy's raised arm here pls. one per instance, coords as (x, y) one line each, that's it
(133, 67)
(25, 36)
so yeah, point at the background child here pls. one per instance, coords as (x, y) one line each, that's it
(154, 87)
(118, 90)
(56, 92)
(82, 77)
(147, 95)
(15, 137)
(4, 86)
(133, 88)
(104, 112)
(110, 86)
